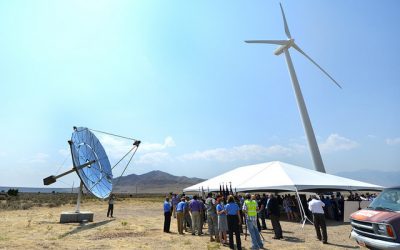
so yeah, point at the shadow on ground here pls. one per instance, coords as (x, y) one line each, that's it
(85, 226)
(344, 246)
(292, 239)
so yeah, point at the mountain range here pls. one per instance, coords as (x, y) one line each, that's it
(153, 182)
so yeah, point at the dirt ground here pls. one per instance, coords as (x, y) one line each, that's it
(138, 225)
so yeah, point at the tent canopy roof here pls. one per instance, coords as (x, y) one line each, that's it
(280, 176)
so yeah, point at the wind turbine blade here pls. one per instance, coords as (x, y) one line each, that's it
(285, 23)
(279, 42)
(316, 64)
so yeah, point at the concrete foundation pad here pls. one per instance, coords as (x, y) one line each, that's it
(70, 217)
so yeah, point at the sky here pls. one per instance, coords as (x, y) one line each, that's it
(178, 76)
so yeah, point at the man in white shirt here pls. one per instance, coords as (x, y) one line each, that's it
(317, 209)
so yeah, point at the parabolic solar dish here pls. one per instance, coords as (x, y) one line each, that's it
(97, 177)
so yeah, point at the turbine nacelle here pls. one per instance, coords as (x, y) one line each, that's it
(289, 43)
(284, 47)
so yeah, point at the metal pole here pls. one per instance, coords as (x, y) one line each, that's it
(302, 210)
(312, 142)
(51, 179)
(78, 202)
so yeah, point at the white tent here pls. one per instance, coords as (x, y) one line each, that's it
(279, 176)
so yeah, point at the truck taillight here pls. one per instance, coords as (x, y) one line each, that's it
(389, 231)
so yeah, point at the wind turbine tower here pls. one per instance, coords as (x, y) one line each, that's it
(284, 47)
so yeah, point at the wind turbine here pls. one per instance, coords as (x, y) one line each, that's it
(284, 47)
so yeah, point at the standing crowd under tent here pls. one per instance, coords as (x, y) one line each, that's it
(293, 189)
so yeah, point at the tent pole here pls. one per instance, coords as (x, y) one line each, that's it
(302, 211)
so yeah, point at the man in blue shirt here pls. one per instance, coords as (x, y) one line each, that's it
(167, 215)
(180, 214)
(234, 221)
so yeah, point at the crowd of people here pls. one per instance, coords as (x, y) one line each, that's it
(362, 197)
(226, 216)
(229, 215)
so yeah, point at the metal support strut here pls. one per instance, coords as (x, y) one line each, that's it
(78, 202)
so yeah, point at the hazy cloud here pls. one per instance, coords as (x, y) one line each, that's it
(298, 148)
(168, 142)
(39, 158)
(115, 147)
(64, 152)
(154, 158)
(244, 152)
(393, 141)
(253, 152)
(335, 142)
(156, 154)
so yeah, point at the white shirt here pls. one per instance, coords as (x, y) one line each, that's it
(316, 206)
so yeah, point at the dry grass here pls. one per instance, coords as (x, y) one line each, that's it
(138, 225)
(25, 201)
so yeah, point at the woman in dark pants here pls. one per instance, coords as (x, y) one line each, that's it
(234, 221)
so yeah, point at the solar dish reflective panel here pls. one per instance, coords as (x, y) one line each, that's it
(97, 177)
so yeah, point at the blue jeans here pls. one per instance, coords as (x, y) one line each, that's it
(254, 234)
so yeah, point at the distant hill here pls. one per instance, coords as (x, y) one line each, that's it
(153, 182)
(383, 178)
(40, 190)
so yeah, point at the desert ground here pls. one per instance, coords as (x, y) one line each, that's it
(138, 224)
